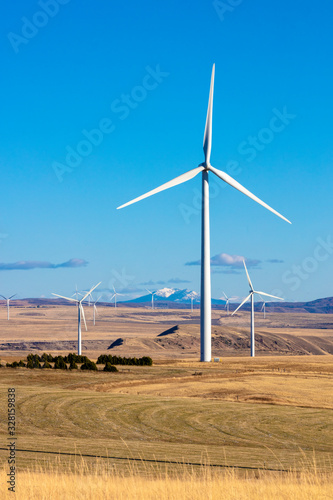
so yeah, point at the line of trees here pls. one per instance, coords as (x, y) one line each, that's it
(72, 359)
(118, 360)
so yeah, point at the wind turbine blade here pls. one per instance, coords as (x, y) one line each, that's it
(207, 142)
(5, 298)
(88, 293)
(83, 316)
(12, 296)
(225, 295)
(241, 304)
(268, 295)
(232, 182)
(174, 182)
(114, 289)
(248, 277)
(67, 298)
(148, 290)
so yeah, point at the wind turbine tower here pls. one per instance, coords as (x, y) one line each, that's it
(115, 297)
(80, 312)
(205, 168)
(251, 296)
(152, 298)
(95, 308)
(7, 300)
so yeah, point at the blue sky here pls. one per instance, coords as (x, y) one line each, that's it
(103, 101)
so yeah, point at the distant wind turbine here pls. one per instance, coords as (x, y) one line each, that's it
(263, 308)
(152, 298)
(205, 168)
(251, 296)
(76, 293)
(115, 296)
(226, 303)
(80, 311)
(95, 308)
(7, 300)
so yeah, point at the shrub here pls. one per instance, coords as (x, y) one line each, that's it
(46, 365)
(14, 364)
(34, 358)
(109, 368)
(22, 364)
(75, 358)
(33, 363)
(73, 365)
(47, 357)
(59, 363)
(89, 365)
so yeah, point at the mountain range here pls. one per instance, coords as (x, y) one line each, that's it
(174, 297)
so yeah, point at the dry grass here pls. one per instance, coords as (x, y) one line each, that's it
(54, 329)
(266, 412)
(158, 484)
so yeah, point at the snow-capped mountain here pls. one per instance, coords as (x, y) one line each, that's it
(174, 295)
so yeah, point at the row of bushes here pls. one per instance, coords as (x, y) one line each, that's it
(70, 358)
(118, 360)
(60, 363)
(103, 358)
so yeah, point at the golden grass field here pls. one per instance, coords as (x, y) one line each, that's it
(257, 416)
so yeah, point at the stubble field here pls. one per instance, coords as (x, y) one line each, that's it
(269, 414)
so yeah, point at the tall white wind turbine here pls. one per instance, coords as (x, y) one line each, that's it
(152, 298)
(7, 300)
(251, 296)
(205, 168)
(80, 311)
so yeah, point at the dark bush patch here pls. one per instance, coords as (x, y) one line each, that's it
(118, 360)
(59, 363)
(89, 365)
(109, 368)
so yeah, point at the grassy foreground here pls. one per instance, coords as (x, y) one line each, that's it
(185, 484)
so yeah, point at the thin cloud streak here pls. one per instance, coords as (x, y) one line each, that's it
(228, 261)
(25, 265)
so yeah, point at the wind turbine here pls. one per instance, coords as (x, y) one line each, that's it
(80, 311)
(152, 298)
(76, 293)
(263, 308)
(226, 303)
(251, 296)
(205, 168)
(7, 300)
(115, 296)
(95, 308)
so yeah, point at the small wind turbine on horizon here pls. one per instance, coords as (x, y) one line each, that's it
(80, 311)
(263, 308)
(226, 303)
(95, 308)
(205, 168)
(251, 296)
(76, 293)
(152, 298)
(115, 296)
(7, 300)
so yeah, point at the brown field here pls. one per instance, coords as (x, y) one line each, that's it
(162, 334)
(269, 414)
